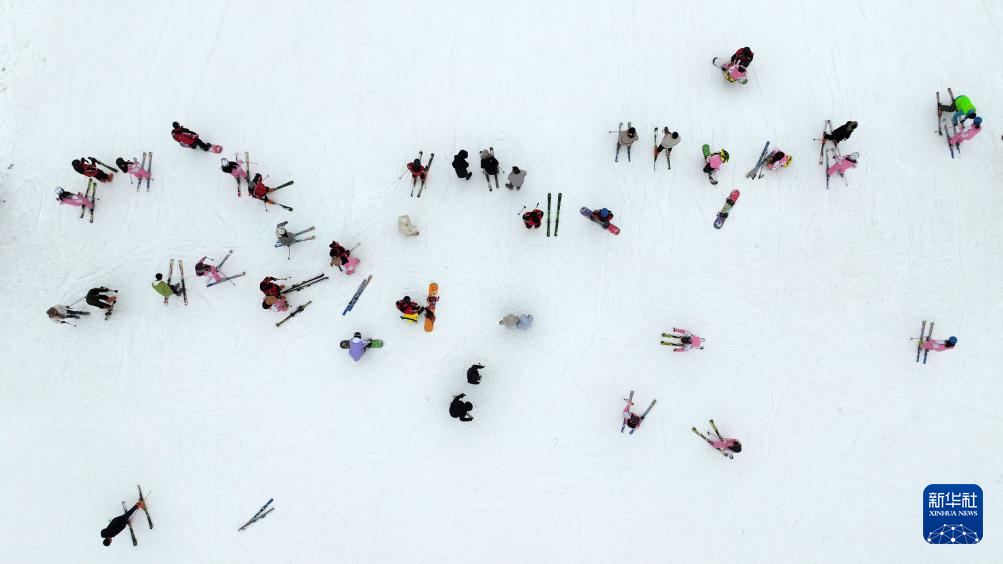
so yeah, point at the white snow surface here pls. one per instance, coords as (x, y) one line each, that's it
(807, 297)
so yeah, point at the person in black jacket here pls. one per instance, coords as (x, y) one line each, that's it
(841, 133)
(473, 376)
(460, 165)
(460, 409)
(118, 524)
(489, 164)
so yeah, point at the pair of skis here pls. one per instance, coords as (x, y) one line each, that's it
(247, 179)
(170, 275)
(146, 165)
(261, 514)
(149, 521)
(668, 152)
(627, 414)
(293, 314)
(557, 220)
(305, 284)
(428, 167)
(355, 297)
(711, 443)
(922, 339)
(755, 172)
(90, 193)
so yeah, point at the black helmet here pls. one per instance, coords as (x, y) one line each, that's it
(176, 125)
(122, 165)
(631, 131)
(463, 153)
(737, 447)
(357, 335)
(416, 163)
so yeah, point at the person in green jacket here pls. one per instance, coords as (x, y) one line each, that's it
(164, 289)
(962, 107)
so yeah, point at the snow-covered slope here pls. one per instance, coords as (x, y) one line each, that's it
(807, 297)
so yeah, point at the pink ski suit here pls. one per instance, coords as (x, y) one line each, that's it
(77, 199)
(211, 270)
(935, 345)
(964, 135)
(734, 74)
(781, 163)
(694, 340)
(238, 171)
(138, 171)
(722, 444)
(715, 161)
(841, 165)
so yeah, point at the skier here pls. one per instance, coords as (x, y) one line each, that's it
(164, 289)
(963, 109)
(133, 167)
(204, 269)
(843, 164)
(714, 162)
(460, 409)
(77, 199)
(722, 444)
(90, 169)
(523, 321)
(533, 219)
(841, 133)
(631, 419)
(269, 288)
(687, 340)
(405, 226)
(603, 217)
(279, 303)
(234, 169)
(60, 314)
(342, 257)
(939, 346)
(460, 165)
(516, 178)
(473, 376)
(188, 138)
(625, 139)
(97, 298)
(357, 346)
(669, 140)
(411, 311)
(489, 164)
(967, 134)
(735, 72)
(778, 159)
(417, 171)
(118, 524)
(743, 57)
(259, 191)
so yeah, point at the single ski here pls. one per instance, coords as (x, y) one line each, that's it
(548, 214)
(919, 345)
(759, 162)
(957, 146)
(145, 509)
(616, 156)
(433, 298)
(281, 186)
(132, 533)
(170, 274)
(728, 204)
(428, 167)
(184, 289)
(261, 513)
(557, 220)
(929, 335)
(139, 181)
(821, 149)
(654, 161)
(94, 198)
(224, 279)
(293, 314)
(358, 293)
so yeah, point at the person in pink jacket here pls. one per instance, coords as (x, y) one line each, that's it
(726, 444)
(687, 340)
(132, 167)
(234, 169)
(843, 164)
(202, 268)
(72, 199)
(735, 73)
(778, 159)
(939, 346)
(966, 134)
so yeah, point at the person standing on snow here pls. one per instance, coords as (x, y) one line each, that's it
(625, 139)
(188, 138)
(90, 169)
(259, 191)
(279, 303)
(357, 346)
(60, 314)
(489, 165)
(533, 219)
(841, 133)
(417, 171)
(202, 268)
(97, 298)
(133, 167)
(473, 376)
(687, 340)
(939, 346)
(164, 289)
(460, 409)
(234, 169)
(963, 109)
(669, 140)
(516, 178)
(843, 164)
(603, 217)
(118, 524)
(460, 165)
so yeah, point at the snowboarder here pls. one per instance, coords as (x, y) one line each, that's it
(842, 164)
(269, 288)
(523, 321)
(357, 346)
(460, 409)
(939, 346)
(118, 524)
(743, 57)
(90, 169)
(188, 138)
(687, 340)
(133, 167)
(460, 165)
(417, 171)
(713, 163)
(625, 139)
(405, 226)
(603, 217)
(963, 109)
(778, 159)
(164, 289)
(533, 219)
(669, 140)
(279, 303)
(516, 178)
(234, 169)
(204, 269)
(410, 311)
(60, 314)
(473, 376)
(97, 298)
(841, 133)
(489, 165)
(966, 134)
(77, 199)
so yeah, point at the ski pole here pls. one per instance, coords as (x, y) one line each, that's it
(75, 303)
(67, 323)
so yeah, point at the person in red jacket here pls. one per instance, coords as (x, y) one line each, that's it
(188, 138)
(533, 219)
(269, 287)
(412, 310)
(90, 169)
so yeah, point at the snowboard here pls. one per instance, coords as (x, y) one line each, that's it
(433, 298)
(374, 344)
(723, 214)
(612, 228)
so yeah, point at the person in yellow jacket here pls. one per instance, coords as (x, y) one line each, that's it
(164, 289)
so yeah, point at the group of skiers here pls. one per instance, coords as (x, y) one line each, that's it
(490, 167)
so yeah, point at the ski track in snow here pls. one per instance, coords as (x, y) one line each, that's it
(807, 297)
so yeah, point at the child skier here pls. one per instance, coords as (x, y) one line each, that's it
(963, 109)
(59, 314)
(234, 169)
(118, 524)
(722, 444)
(713, 163)
(410, 311)
(743, 57)
(342, 258)
(778, 159)
(78, 199)
(533, 219)
(279, 303)
(90, 169)
(669, 140)
(269, 288)
(460, 409)
(687, 340)
(735, 72)
(133, 167)
(516, 178)
(625, 139)
(473, 376)
(460, 165)
(188, 138)
(967, 134)
(489, 165)
(843, 164)
(631, 419)
(259, 191)
(418, 171)
(97, 298)
(204, 269)
(939, 346)
(164, 289)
